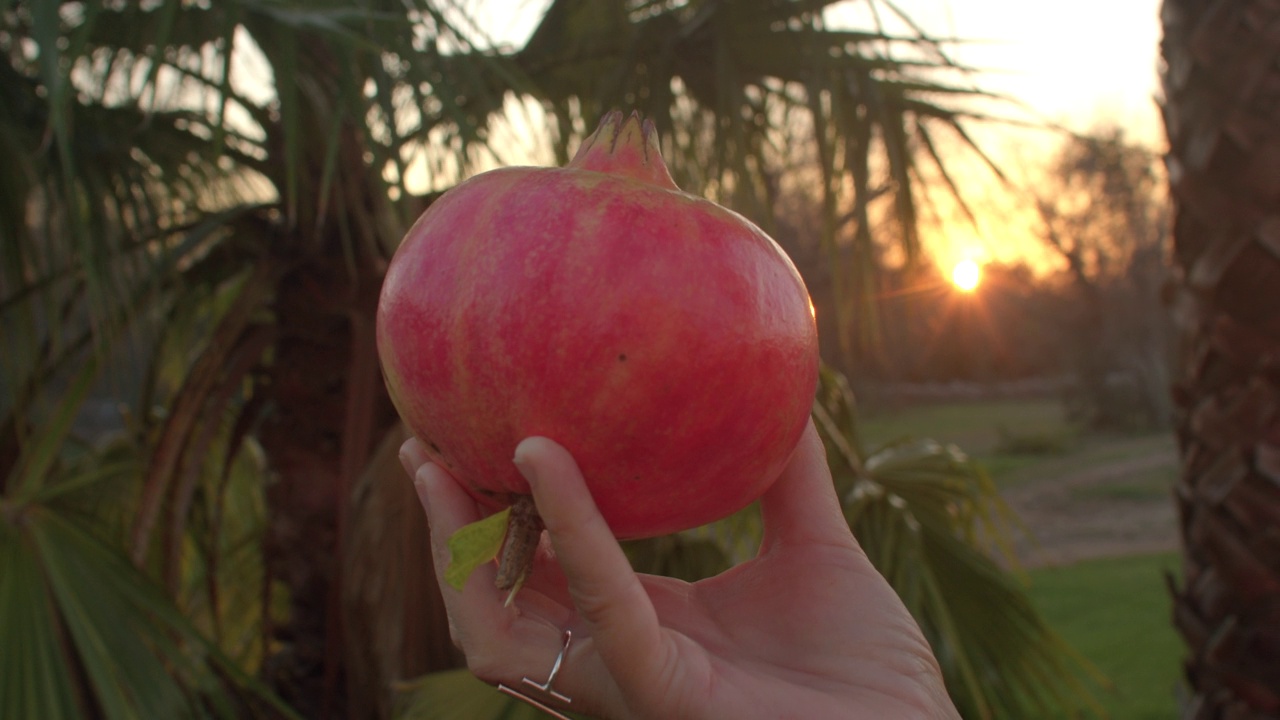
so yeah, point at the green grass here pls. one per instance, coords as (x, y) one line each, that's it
(1017, 441)
(1001, 434)
(1153, 484)
(1091, 452)
(977, 426)
(1117, 613)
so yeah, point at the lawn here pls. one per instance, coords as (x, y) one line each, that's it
(1017, 441)
(980, 427)
(1117, 613)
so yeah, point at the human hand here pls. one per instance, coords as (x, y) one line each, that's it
(806, 629)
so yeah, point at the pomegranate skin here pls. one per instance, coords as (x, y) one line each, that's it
(665, 341)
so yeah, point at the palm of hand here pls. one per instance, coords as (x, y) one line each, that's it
(765, 633)
(807, 629)
(757, 641)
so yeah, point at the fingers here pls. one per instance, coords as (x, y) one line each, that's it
(621, 642)
(501, 644)
(413, 456)
(802, 506)
(449, 508)
(606, 591)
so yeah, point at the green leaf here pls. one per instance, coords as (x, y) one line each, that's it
(474, 545)
(33, 681)
(41, 453)
(84, 626)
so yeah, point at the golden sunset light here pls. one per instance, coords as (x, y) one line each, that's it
(966, 275)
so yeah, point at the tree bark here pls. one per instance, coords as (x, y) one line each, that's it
(1222, 115)
(324, 416)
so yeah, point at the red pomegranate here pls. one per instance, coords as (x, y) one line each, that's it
(666, 342)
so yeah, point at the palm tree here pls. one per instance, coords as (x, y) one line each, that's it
(201, 200)
(1221, 80)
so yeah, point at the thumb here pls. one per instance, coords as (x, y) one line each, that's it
(605, 590)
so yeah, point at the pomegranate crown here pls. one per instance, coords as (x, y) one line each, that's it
(627, 146)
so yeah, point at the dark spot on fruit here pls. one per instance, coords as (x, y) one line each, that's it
(622, 357)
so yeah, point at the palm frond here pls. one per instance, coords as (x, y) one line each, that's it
(231, 352)
(76, 610)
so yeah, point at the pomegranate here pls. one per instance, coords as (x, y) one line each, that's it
(665, 341)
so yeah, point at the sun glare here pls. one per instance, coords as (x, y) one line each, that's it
(966, 275)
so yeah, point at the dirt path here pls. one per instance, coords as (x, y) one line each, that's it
(1074, 516)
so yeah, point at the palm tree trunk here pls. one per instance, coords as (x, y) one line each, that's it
(346, 538)
(1222, 115)
(324, 417)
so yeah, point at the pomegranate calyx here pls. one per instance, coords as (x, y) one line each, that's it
(626, 146)
(524, 530)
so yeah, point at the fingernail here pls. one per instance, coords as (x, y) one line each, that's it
(412, 456)
(523, 465)
(420, 486)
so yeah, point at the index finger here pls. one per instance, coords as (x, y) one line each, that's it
(606, 591)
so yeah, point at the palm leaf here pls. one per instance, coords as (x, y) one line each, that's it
(38, 455)
(78, 610)
(34, 678)
(204, 380)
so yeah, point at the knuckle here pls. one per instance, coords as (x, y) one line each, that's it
(599, 603)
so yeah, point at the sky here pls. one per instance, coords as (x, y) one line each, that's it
(1079, 64)
(1076, 62)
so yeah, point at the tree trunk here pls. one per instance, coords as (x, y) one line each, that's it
(346, 539)
(1222, 115)
(327, 409)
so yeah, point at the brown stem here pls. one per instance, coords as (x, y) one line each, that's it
(524, 530)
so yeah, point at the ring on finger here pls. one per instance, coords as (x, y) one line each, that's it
(544, 687)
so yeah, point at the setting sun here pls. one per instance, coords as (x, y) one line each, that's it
(966, 275)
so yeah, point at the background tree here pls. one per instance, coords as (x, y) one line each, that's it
(201, 202)
(1221, 93)
(1103, 209)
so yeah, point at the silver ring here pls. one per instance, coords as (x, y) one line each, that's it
(545, 687)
